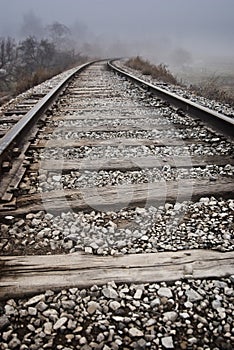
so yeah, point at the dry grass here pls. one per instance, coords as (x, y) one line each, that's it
(159, 72)
(211, 87)
(36, 78)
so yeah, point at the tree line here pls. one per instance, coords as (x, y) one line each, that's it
(30, 61)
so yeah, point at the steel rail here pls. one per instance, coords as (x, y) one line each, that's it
(25, 123)
(217, 120)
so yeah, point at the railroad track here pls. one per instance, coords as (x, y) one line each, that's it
(111, 182)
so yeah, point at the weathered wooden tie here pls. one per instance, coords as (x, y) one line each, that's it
(129, 164)
(36, 274)
(116, 197)
(117, 142)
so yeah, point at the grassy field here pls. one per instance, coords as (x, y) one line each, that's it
(216, 73)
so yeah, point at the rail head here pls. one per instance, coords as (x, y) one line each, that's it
(220, 122)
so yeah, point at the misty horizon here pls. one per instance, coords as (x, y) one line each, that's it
(155, 29)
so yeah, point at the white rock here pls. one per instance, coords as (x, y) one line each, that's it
(155, 302)
(83, 341)
(92, 307)
(138, 294)
(36, 222)
(10, 310)
(188, 305)
(48, 216)
(216, 304)
(60, 323)
(51, 313)
(48, 328)
(184, 315)
(68, 304)
(6, 335)
(140, 210)
(32, 311)
(35, 300)
(202, 320)
(114, 305)
(204, 200)
(150, 322)
(134, 332)
(192, 340)
(144, 238)
(193, 295)
(100, 337)
(165, 292)
(170, 315)
(57, 178)
(110, 293)
(118, 318)
(88, 250)
(177, 206)
(221, 312)
(106, 347)
(9, 218)
(167, 342)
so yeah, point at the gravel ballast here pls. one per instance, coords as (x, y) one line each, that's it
(206, 224)
(190, 314)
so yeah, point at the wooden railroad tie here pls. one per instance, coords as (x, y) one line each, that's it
(26, 275)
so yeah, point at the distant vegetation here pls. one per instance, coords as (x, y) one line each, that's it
(29, 62)
(211, 88)
(159, 72)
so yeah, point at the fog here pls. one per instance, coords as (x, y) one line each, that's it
(161, 30)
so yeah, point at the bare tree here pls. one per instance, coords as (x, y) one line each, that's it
(34, 60)
(60, 35)
(46, 53)
(28, 54)
(8, 58)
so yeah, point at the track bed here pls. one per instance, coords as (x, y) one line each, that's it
(117, 216)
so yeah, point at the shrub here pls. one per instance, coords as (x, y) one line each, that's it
(28, 81)
(159, 72)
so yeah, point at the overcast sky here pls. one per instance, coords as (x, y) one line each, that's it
(199, 26)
